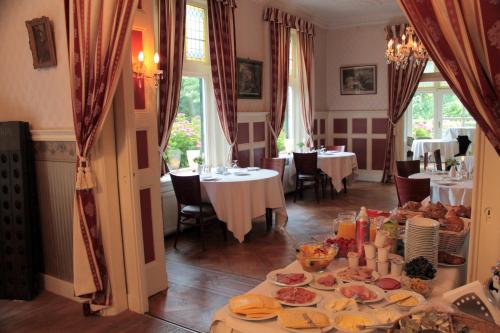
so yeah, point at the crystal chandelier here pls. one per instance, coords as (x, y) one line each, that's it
(410, 48)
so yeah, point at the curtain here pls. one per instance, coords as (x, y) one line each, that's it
(279, 27)
(99, 31)
(172, 28)
(403, 83)
(222, 40)
(306, 55)
(463, 39)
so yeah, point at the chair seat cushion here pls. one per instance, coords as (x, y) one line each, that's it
(306, 177)
(207, 209)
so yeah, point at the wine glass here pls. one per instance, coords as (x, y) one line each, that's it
(235, 164)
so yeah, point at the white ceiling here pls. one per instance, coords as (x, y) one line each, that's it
(345, 13)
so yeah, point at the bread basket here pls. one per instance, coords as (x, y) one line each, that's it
(451, 241)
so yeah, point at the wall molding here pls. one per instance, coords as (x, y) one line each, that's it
(59, 287)
(65, 134)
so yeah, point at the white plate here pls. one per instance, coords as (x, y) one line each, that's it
(319, 286)
(368, 316)
(271, 277)
(242, 317)
(207, 179)
(375, 276)
(417, 296)
(316, 299)
(253, 168)
(353, 306)
(308, 330)
(378, 291)
(422, 222)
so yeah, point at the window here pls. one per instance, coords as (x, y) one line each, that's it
(195, 33)
(434, 108)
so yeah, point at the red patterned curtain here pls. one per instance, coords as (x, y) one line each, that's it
(222, 39)
(403, 83)
(463, 39)
(171, 40)
(306, 54)
(279, 27)
(98, 34)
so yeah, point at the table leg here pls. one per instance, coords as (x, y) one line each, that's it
(344, 181)
(269, 218)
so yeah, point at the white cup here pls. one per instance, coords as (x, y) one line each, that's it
(383, 253)
(353, 259)
(370, 251)
(371, 263)
(397, 267)
(381, 238)
(383, 267)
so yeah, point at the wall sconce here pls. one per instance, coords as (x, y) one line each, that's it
(139, 69)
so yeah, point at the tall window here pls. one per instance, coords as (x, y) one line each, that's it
(196, 130)
(435, 108)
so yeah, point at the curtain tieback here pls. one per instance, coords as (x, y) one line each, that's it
(84, 176)
(272, 130)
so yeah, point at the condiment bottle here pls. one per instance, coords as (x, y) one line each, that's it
(362, 231)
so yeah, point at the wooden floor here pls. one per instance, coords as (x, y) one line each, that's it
(202, 281)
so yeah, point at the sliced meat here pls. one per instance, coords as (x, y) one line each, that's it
(290, 278)
(295, 295)
(326, 280)
(388, 284)
(361, 291)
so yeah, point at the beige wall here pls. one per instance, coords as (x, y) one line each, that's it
(356, 46)
(39, 96)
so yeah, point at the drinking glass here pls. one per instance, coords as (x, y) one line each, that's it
(235, 164)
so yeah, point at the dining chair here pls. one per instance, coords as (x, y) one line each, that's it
(190, 206)
(337, 148)
(437, 160)
(409, 143)
(463, 145)
(306, 166)
(426, 160)
(407, 168)
(409, 189)
(276, 164)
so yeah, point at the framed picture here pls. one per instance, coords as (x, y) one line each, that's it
(249, 78)
(41, 40)
(358, 80)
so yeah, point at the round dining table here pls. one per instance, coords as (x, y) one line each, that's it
(241, 195)
(448, 190)
(447, 147)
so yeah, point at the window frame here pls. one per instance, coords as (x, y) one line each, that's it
(202, 5)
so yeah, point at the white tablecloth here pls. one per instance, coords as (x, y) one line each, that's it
(458, 194)
(338, 166)
(239, 199)
(454, 132)
(448, 147)
(222, 322)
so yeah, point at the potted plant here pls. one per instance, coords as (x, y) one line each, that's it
(450, 162)
(301, 146)
(199, 160)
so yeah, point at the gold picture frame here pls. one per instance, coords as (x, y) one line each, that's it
(41, 39)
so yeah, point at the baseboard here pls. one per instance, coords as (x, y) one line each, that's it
(369, 175)
(59, 287)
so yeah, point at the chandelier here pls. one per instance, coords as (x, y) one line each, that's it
(410, 48)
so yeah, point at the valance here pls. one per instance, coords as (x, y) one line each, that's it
(291, 21)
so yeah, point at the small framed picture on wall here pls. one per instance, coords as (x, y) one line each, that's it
(249, 78)
(41, 39)
(358, 80)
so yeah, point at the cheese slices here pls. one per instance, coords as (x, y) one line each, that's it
(253, 305)
(303, 318)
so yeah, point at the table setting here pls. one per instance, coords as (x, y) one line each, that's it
(364, 285)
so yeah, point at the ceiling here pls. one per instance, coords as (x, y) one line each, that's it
(345, 13)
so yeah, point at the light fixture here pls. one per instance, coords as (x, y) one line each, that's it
(139, 69)
(409, 49)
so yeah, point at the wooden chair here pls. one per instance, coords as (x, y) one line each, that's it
(426, 160)
(409, 143)
(409, 189)
(337, 148)
(306, 166)
(276, 164)
(190, 206)
(437, 160)
(407, 168)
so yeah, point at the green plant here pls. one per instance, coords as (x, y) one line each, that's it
(422, 133)
(280, 143)
(185, 135)
(301, 145)
(451, 162)
(198, 160)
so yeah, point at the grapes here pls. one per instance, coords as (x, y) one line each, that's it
(421, 268)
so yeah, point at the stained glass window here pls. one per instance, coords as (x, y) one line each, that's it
(195, 33)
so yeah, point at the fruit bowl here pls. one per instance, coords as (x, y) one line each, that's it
(315, 257)
(422, 286)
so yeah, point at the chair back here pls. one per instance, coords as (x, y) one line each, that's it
(276, 164)
(187, 189)
(306, 163)
(407, 168)
(337, 148)
(412, 189)
(463, 144)
(437, 159)
(409, 141)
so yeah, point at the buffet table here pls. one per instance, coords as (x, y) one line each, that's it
(447, 191)
(421, 146)
(223, 322)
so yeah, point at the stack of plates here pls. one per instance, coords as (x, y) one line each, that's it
(422, 239)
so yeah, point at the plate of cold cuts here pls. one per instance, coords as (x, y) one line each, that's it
(325, 281)
(297, 296)
(365, 292)
(289, 279)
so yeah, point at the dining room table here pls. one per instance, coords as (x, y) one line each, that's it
(448, 147)
(240, 195)
(337, 165)
(448, 190)
(223, 321)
